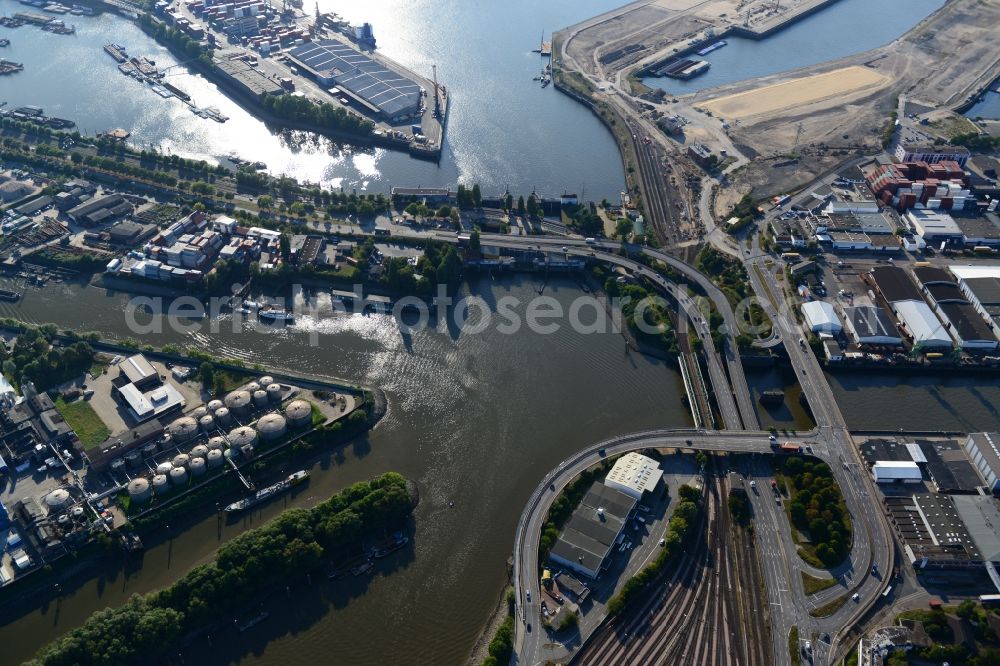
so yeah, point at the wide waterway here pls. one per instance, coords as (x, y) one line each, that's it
(504, 130)
(475, 419)
(842, 29)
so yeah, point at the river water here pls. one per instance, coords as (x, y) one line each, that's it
(842, 29)
(503, 129)
(475, 419)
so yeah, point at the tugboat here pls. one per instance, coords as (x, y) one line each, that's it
(265, 494)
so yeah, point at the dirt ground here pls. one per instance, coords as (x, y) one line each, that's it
(830, 88)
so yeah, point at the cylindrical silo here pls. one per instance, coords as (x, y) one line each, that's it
(207, 423)
(217, 442)
(178, 476)
(273, 392)
(166, 442)
(197, 466)
(199, 412)
(214, 405)
(266, 380)
(223, 417)
(299, 413)
(117, 465)
(149, 450)
(238, 402)
(199, 451)
(242, 436)
(271, 426)
(252, 387)
(160, 483)
(139, 490)
(181, 460)
(164, 468)
(57, 500)
(183, 429)
(214, 458)
(259, 398)
(133, 458)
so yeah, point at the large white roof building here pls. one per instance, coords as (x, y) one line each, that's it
(821, 317)
(896, 471)
(923, 326)
(634, 474)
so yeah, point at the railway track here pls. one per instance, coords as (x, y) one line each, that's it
(707, 613)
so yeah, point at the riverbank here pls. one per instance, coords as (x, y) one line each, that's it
(290, 548)
(254, 105)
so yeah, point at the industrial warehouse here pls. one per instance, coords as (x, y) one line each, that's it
(369, 84)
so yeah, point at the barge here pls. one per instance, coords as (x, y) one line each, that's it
(267, 493)
(714, 47)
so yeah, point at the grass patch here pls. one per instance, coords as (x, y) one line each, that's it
(317, 415)
(829, 609)
(812, 584)
(82, 418)
(793, 646)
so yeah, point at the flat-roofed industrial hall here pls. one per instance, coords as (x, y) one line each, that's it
(367, 82)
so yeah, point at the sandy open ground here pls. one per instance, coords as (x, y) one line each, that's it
(836, 86)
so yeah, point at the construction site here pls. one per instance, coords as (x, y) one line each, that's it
(772, 133)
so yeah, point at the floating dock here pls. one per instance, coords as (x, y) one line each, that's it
(10, 67)
(683, 69)
(116, 51)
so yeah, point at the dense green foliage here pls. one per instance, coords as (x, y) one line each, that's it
(581, 220)
(502, 644)
(34, 358)
(739, 508)
(980, 143)
(816, 508)
(646, 314)
(469, 197)
(285, 548)
(746, 210)
(322, 115)
(680, 524)
(160, 31)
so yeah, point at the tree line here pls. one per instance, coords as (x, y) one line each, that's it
(322, 114)
(34, 358)
(816, 508)
(293, 544)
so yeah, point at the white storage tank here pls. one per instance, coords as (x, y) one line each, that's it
(242, 436)
(213, 405)
(181, 460)
(252, 388)
(164, 468)
(217, 442)
(199, 451)
(299, 413)
(274, 392)
(197, 466)
(160, 484)
(215, 458)
(199, 412)
(139, 490)
(178, 476)
(183, 429)
(207, 423)
(238, 402)
(223, 417)
(271, 426)
(266, 380)
(57, 500)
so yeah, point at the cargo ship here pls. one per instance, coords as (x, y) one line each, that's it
(267, 493)
(116, 51)
(175, 90)
(714, 47)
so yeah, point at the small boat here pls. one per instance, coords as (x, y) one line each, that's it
(279, 316)
(253, 305)
(8, 295)
(398, 542)
(252, 622)
(363, 568)
(332, 573)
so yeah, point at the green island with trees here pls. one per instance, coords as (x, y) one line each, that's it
(34, 358)
(297, 542)
(816, 509)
